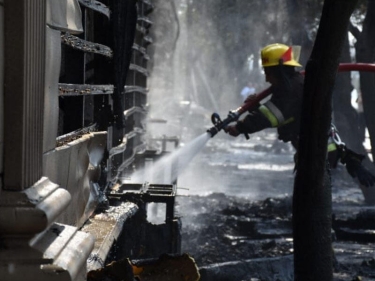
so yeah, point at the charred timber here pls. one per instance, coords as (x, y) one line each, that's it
(146, 22)
(142, 50)
(84, 89)
(138, 89)
(134, 109)
(148, 6)
(139, 69)
(85, 46)
(64, 139)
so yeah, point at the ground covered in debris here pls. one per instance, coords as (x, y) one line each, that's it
(235, 205)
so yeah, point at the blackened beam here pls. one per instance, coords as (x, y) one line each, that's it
(87, 89)
(64, 139)
(138, 89)
(148, 39)
(85, 46)
(145, 21)
(129, 160)
(136, 131)
(142, 50)
(122, 146)
(141, 29)
(84, 89)
(136, 150)
(134, 109)
(139, 69)
(149, 4)
(96, 6)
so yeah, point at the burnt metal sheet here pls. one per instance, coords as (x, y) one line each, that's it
(138, 89)
(61, 140)
(138, 149)
(150, 6)
(122, 146)
(148, 2)
(142, 50)
(145, 21)
(85, 46)
(136, 131)
(84, 89)
(96, 6)
(116, 171)
(148, 39)
(141, 29)
(139, 69)
(134, 109)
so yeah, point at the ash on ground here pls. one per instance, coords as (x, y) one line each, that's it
(235, 204)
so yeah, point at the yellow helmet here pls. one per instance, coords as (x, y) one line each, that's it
(276, 54)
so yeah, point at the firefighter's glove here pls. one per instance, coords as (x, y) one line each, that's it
(232, 130)
(353, 164)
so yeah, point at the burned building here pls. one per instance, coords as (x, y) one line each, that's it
(73, 94)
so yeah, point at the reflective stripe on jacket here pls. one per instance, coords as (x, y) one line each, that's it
(281, 111)
(273, 114)
(331, 145)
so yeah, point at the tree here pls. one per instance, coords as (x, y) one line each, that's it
(345, 117)
(365, 52)
(312, 203)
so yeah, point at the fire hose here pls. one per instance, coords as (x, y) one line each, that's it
(234, 115)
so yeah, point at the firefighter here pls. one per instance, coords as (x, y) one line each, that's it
(283, 110)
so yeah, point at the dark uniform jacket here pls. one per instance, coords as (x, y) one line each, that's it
(283, 111)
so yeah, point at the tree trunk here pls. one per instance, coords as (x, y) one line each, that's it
(312, 194)
(365, 52)
(345, 116)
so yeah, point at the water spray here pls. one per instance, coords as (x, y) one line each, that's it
(233, 115)
(180, 158)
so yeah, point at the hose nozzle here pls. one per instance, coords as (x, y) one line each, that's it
(213, 131)
(218, 124)
(235, 114)
(221, 124)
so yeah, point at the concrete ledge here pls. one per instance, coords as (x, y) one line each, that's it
(31, 211)
(59, 253)
(74, 255)
(106, 227)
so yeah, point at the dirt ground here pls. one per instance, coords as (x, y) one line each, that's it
(235, 205)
